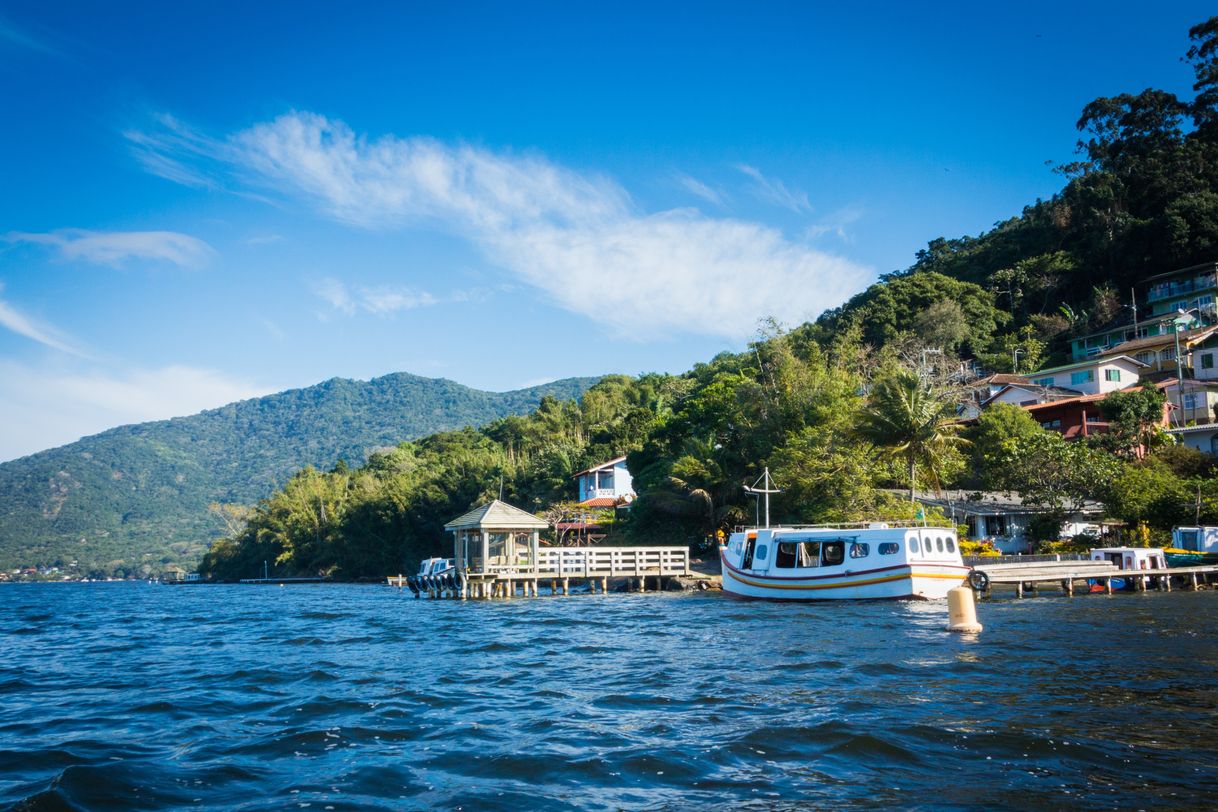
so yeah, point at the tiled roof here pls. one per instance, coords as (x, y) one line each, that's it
(599, 502)
(1166, 339)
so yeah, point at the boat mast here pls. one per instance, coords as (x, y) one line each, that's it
(766, 489)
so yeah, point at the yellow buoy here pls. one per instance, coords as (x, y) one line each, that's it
(962, 611)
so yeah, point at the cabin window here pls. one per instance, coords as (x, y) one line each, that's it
(939, 545)
(785, 557)
(888, 548)
(913, 545)
(761, 552)
(860, 549)
(833, 553)
(951, 545)
(927, 545)
(1188, 540)
(808, 554)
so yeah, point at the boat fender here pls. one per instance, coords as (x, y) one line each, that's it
(979, 580)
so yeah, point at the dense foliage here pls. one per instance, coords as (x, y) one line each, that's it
(135, 499)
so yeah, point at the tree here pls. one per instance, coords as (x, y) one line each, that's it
(1053, 473)
(906, 416)
(999, 425)
(1135, 422)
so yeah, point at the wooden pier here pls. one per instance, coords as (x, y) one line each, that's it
(561, 568)
(1030, 577)
(497, 554)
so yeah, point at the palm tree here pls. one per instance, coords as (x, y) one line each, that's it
(909, 417)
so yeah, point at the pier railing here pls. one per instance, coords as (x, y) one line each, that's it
(592, 562)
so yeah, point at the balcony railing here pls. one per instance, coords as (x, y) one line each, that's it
(1172, 289)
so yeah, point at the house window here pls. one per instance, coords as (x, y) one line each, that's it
(1168, 354)
(1055, 423)
(1146, 357)
(1190, 401)
(1027, 403)
(1043, 381)
(1112, 375)
(996, 525)
(1094, 418)
(1086, 376)
(1207, 360)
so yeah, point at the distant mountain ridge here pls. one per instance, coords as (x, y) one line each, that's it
(136, 497)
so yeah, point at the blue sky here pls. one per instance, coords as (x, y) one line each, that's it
(210, 201)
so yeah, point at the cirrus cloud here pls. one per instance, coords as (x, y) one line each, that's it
(114, 248)
(579, 237)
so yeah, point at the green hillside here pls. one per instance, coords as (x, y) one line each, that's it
(137, 496)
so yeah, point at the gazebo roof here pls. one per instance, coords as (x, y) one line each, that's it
(497, 515)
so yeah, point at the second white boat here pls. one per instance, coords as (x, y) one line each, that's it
(834, 562)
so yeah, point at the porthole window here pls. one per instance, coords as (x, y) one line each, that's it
(889, 548)
(913, 545)
(761, 553)
(927, 545)
(939, 544)
(951, 545)
(860, 549)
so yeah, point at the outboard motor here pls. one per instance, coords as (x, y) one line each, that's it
(412, 581)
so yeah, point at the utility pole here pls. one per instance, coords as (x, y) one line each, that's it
(1015, 360)
(1133, 303)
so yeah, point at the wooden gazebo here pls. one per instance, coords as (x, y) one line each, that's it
(495, 539)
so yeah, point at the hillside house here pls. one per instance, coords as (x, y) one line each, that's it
(1204, 438)
(1158, 353)
(1092, 377)
(606, 485)
(1030, 394)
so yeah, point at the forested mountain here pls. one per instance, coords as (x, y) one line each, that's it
(138, 496)
(1141, 200)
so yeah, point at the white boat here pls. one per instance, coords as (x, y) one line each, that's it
(864, 561)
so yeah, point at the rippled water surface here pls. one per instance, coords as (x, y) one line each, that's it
(331, 697)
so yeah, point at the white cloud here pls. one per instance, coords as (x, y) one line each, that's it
(775, 191)
(41, 408)
(380, 301)
(21, 324)
(699, 189)
(114, 248)
(836, 223)
(578, 237)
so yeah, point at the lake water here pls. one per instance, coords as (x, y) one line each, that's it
(133, 696)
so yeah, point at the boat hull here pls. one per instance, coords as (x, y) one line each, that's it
(919, 581)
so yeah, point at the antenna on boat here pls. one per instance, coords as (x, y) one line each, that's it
(766, 489)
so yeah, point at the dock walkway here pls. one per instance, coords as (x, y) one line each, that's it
(1028, 577)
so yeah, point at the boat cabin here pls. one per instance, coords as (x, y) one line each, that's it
(1195, 539)
(1131, 558)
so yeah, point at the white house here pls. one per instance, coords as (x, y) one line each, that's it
(1030, 394)
(1203, 438)
(606, 485)
(1003, 518)
(1092, 377)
